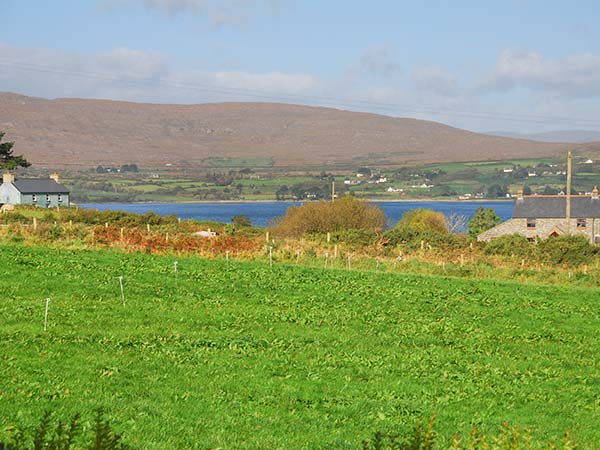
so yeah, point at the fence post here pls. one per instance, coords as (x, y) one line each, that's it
(46, 315)
(122, 291)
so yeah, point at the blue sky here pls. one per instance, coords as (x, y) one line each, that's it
(518, 65)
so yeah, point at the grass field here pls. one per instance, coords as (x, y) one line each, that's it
(241, 355)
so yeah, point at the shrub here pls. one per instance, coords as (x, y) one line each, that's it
(411, 239)
(510, 245)
(241, 221)
(347, 213)
(356, 237)
(423, 220)
(14, 217)
(569, 250)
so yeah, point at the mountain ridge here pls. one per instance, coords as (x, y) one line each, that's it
(557, 136)
(90, 132)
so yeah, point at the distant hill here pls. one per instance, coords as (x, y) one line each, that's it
(86, 133)
(574, 136)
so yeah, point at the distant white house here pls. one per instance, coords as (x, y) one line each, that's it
(507, 170)
(393, 189)
(589, 161)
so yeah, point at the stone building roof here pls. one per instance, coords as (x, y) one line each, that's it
(40, 187)
(555, 206)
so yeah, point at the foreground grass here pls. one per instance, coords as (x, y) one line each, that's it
(244, 356)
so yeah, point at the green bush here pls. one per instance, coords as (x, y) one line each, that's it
(411, 238)
(510, 245)
(424, 220)
(568, 250)
(118, 218)
(355, 237)
(14, 217)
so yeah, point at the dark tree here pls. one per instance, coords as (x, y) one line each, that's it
(8, 161)
(241, 221)
(497, 190)
(482, 220)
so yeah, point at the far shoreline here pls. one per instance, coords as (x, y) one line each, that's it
(188, 202)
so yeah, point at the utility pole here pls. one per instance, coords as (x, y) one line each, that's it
(569, 176)
(332, 190)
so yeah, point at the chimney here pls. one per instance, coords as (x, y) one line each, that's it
(569, 175)
(8, 177)
(595, 193)
(520, 194)
(56, 177)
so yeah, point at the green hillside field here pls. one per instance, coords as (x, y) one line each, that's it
(242, 355)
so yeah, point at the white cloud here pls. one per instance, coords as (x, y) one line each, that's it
(435, 80)
(576, 75)
(50, 73)
(126, 74)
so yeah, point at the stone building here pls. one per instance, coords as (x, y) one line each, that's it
(542, 216)
(45, 193)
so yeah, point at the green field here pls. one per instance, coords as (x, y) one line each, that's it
(247, 356)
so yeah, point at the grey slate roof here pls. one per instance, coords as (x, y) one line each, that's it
(554, 207)
(40, 187)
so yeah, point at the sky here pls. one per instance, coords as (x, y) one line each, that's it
(508, 65)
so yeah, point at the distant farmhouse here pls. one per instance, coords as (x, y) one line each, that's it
(45, 193)
(542, 216)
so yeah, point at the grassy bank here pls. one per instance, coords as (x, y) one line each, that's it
(240, 355)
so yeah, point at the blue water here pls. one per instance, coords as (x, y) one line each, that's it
(261, 213)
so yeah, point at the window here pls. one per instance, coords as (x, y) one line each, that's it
(34, 198)
(530, 223)
(59, 198)
(47, 198)
(581, 223)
